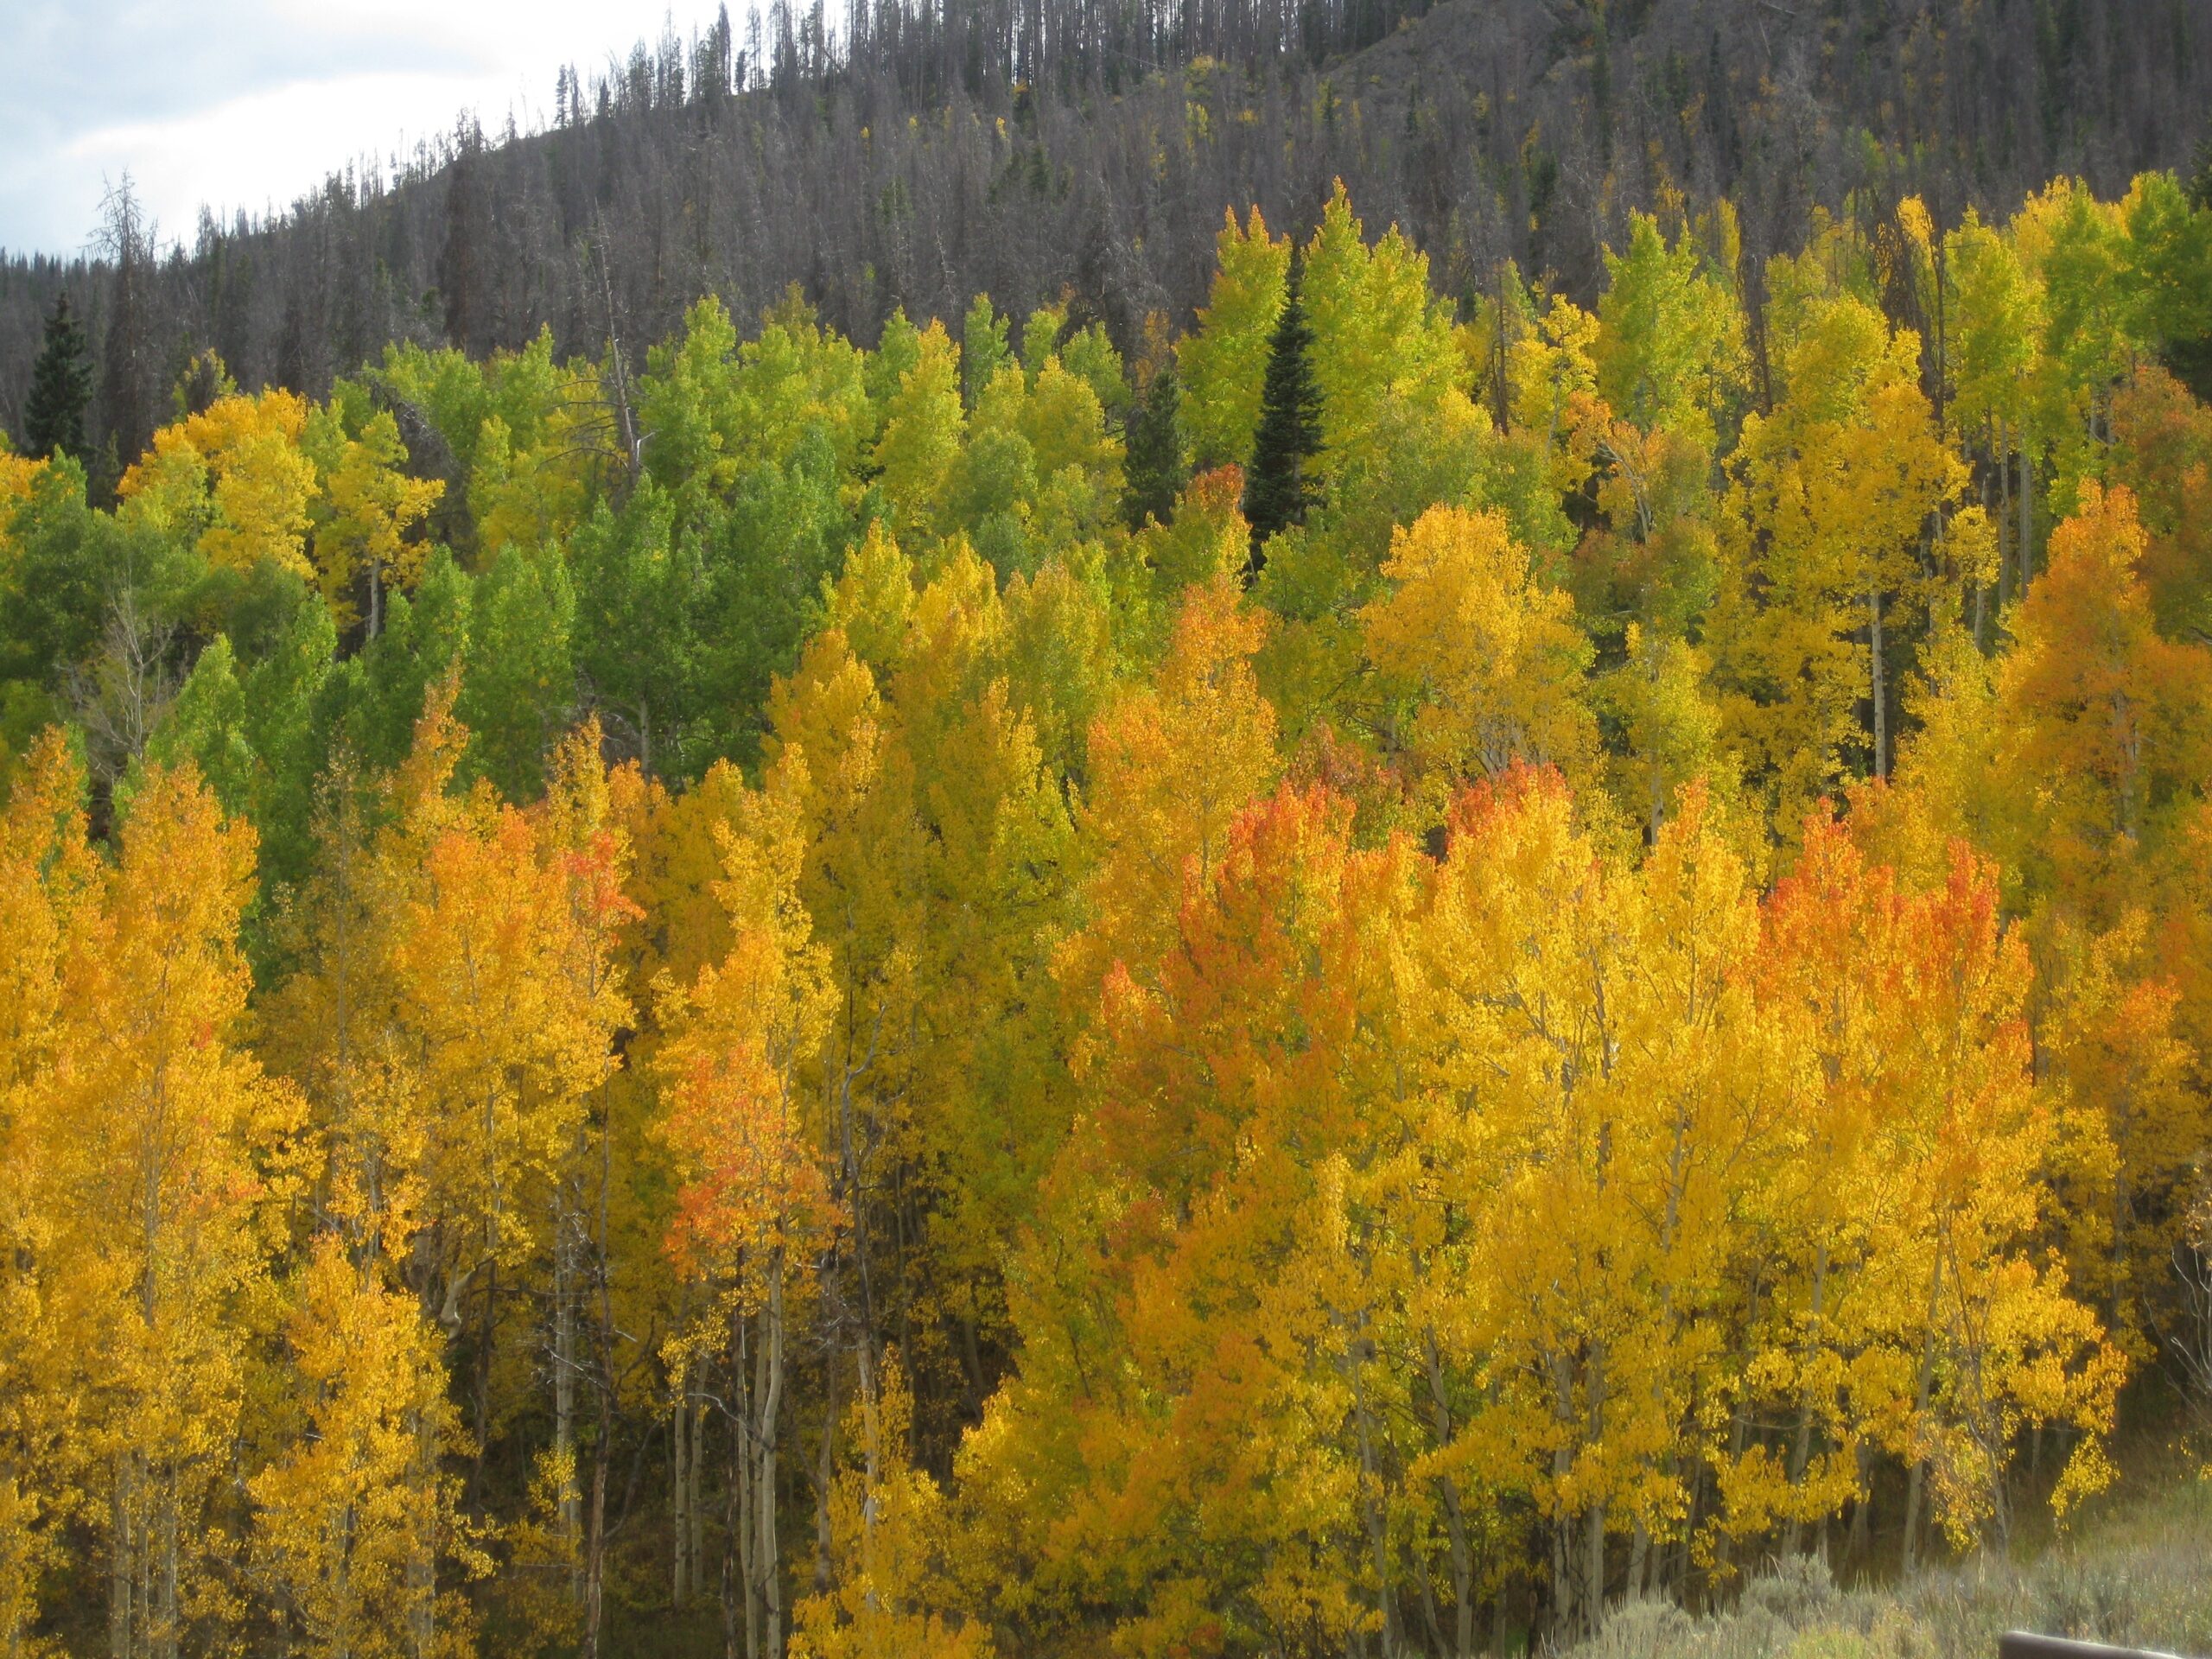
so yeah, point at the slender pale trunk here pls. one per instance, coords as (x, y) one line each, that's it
(2008, 555)
(737, 1558)
(1800, 1453)
(1564, 1599)
(168, 1621)
(565, 1386)
(121, 1560)
(595, 1546)
(1880, 689)
(422, 1565)
(1371, 1489)
(695, 1499)
(766, 1591)
(1594, 1540)
(1913, 1481)
(680, 1497)
(2027, 512)
(1455, 1520)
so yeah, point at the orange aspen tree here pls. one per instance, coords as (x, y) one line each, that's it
(740, 1125)
(1959, 1334)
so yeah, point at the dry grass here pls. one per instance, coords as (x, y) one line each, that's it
(2138, 1576)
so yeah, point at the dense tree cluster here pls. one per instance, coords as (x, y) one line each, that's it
(912, 155)
(790, 1001)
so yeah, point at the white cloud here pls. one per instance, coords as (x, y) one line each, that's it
(248, 105)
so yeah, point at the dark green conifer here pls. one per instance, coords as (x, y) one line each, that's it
(1157, 467)
(61, 384)
(1277, 491)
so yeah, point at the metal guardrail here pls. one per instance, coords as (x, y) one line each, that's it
(2023, 1644)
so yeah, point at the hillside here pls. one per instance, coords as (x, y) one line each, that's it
(935, 160)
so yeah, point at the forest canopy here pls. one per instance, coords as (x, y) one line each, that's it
(1357, 980)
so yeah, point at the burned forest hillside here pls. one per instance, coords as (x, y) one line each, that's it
(914, 158)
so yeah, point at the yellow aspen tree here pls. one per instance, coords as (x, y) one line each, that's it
(1171, 764)
(1602, 1111)
(47, 871)
(1490, 658)
(168, 1145)
(890, 1595)
(587, 859)
(1831, 496)
(922, 433)
(232, 478)
(343, 1520)
(369, 508)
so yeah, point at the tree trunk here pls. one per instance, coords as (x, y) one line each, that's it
(1800, 1451)
(1861, 1538)
(421, 1565)
(768, 1585)
(122, 1562)
(595, 1546)
(1881, 705)
(564, 1385)
(1910, 1563)
(1371, 1487)
(1455, 1521)
(679, 1488)
(2008, 555)
(1593, 1543)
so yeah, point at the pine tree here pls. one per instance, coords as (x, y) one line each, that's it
(1157, 468)
(2199, 186)
(61, 384)
(1277, 493)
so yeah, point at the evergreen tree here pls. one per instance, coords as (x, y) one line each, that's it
(1277, 492)
(61, 384)
(2200, 176)
(1157, 468)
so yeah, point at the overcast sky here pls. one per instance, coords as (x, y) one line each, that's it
(251, 103)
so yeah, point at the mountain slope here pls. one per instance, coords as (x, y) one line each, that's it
(913, 172)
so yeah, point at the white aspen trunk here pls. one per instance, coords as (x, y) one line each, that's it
(1800, 1451)
(1593, 1587)
(1455, 1521)
(694, 1500)
(1370, 1484)
(164, 1634)
(765, 1561)
(680, 1497)
(745, 1384)
(421, 1565)
(2008, 557)
(1881, 707)
(1913, 1481)
(121, 1563)
(564, 1384)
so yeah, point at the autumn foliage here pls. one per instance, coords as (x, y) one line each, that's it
(748, 999)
